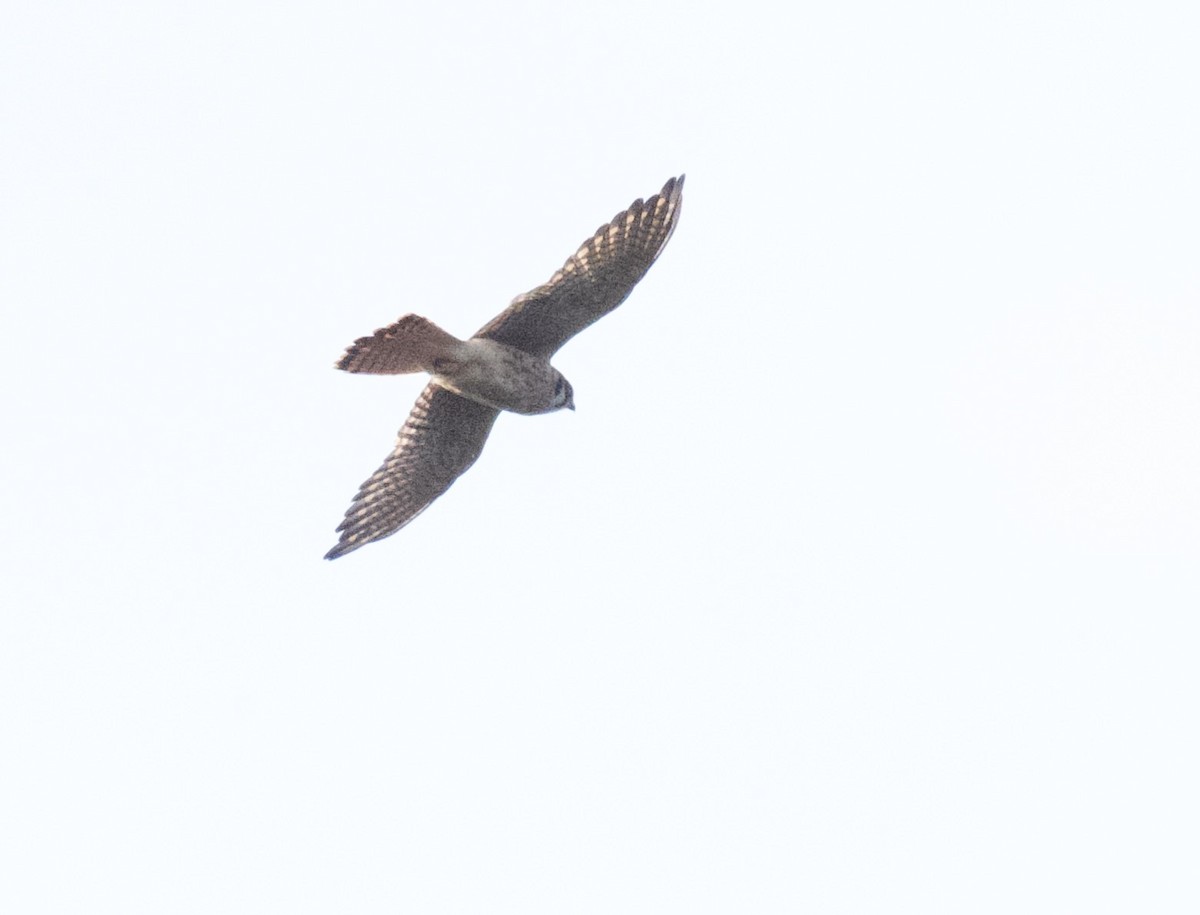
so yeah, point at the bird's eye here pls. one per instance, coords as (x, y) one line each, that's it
(558, 388)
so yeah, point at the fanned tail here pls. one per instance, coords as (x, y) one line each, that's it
(412, 344)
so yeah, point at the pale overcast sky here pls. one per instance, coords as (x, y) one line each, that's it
(863, 579)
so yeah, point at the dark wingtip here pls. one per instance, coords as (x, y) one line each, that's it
(342, 549)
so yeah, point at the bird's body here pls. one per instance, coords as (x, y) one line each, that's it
(506, 378)
(504, 367)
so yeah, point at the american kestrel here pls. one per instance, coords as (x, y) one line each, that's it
(504, 366)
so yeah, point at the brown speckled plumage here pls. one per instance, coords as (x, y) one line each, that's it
(504, 366)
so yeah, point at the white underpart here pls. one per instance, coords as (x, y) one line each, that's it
(502, 377)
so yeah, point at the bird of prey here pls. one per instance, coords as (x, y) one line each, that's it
(504, 366)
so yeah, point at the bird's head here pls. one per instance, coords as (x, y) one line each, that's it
(564, 396)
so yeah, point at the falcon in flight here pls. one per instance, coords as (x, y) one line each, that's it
(505, 366)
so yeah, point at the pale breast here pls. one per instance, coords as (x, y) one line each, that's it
(503, 377)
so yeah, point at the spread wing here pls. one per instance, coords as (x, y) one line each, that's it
(441, 438)
(593, 281)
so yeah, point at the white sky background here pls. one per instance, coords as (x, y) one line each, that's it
(864, 579)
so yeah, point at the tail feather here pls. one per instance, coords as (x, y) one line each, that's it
(412, 344)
